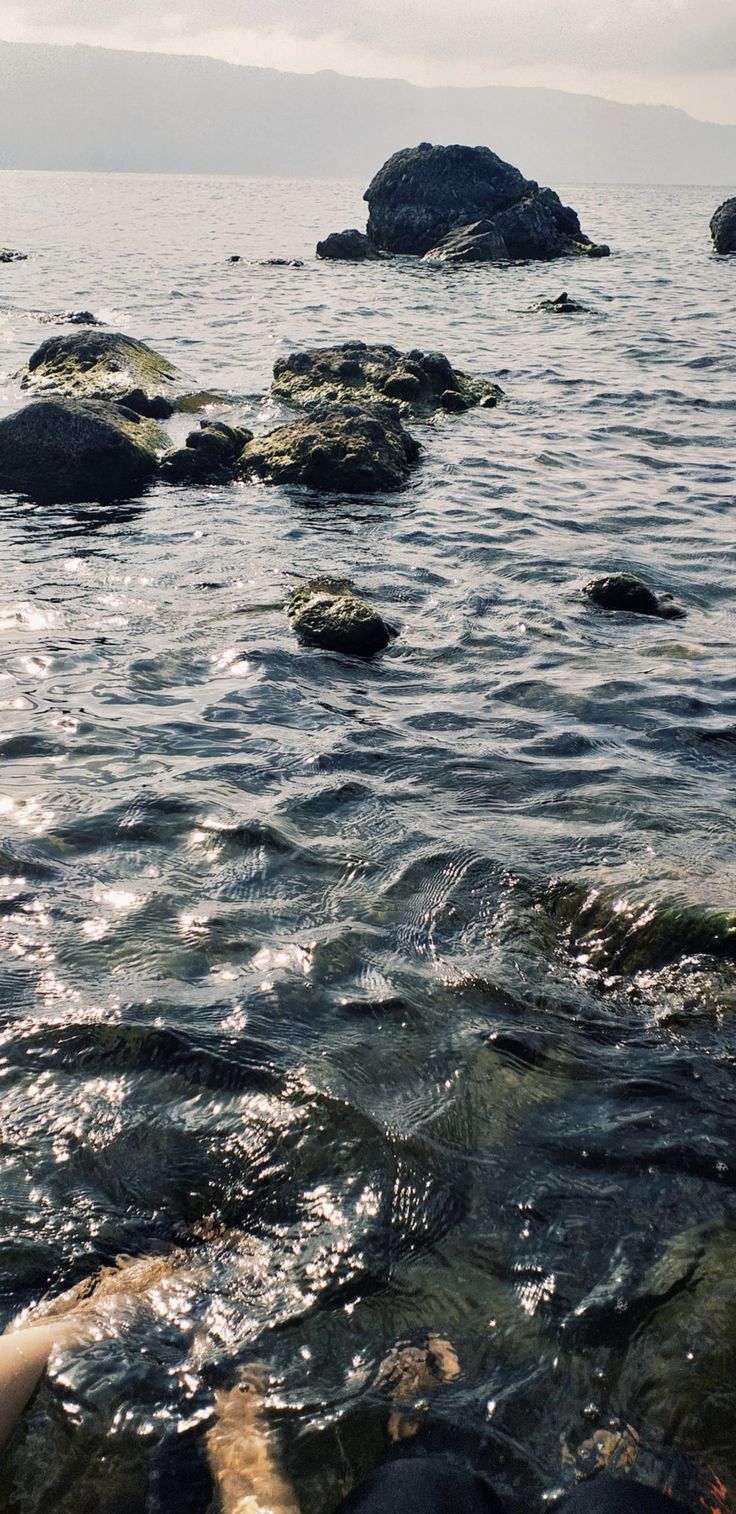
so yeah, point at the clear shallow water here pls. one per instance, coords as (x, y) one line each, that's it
(400, 996)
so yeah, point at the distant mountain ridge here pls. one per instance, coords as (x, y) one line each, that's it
(94, 108)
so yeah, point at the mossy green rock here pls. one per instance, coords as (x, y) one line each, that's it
(341, 448)
(613, 933)
(329, 614)
(421, 382)
(57, 450)
(105, 365)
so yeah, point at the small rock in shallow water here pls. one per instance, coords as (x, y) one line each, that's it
(623, 591)
(420, 381)
(209, 456)
(348, 246)
(563, 305)
(329, 614)
(57, 450)
(352, 449)
(8, 256)
(70, 318)
(723, 227)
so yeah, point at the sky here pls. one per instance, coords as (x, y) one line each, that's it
(662, 52)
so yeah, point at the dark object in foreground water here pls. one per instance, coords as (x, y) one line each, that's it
(723, 227)
(70, 318)
(8, 256)
(563, 305)
(329, 614)
(57, 450)
(344, 448)
(623, 591)
(425, 197)
(422, 382)
(209, 456)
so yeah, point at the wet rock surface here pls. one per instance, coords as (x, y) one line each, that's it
(105, 365)
(70, 318)
(347, 246)
(624, 591)
(328, 613)
(350, 448)
(562, 305)
(7, 255)
(420, 382)
(57, 450)
(209, 456)
(424, 194)
(723, 227)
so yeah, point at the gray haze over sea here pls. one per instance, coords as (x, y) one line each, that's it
(400, 995)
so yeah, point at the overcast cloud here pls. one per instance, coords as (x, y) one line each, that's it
(679, 52)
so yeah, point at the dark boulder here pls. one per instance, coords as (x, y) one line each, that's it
(105, 365)
(562, 305)
(421, 382)
(347, 246)
(424, 193)
(70, 318)
(209, 456)
(723, 227)
(58, 450)
(347, 448)
(8, 256)
(623, 591)
(327, 613)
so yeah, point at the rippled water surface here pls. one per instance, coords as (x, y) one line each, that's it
(389, 997)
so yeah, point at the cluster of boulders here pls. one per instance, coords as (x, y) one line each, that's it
(460, 205)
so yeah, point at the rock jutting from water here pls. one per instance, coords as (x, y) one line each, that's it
(7, 255)
(70, 318)
(562, 305)
(343, 448)
(209, 456)
(328, 613)
(420, 382)
(465, 204)
(623, 591)
(106, 365)
(350, 246)
(723, 227)
(57, 450)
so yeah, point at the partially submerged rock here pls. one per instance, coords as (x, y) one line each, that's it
(425, 194)
(421, 382)
(105, 365)
(327, 613)
(58, 450)
(349, 246)
(623, 591)
(613, 933)
(209, 456)
(723, 227)
(8, 256)
(348, 448)
(70, 318)
(563, 305)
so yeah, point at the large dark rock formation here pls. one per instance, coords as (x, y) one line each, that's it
(424, 194)
(58, 450)
(723, 227)
(420, 382)
(105, 365)
(328, 613)
(352, 449)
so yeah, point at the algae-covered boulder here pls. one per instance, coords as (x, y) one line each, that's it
(347, 448)
(58, 450)
(625, 934)
(8, 256)
(624, 591)
(327, 613)
(421, 382)
(105, 365)
(723, 227)
(350, 246)
(422, 194)
(209, 456)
